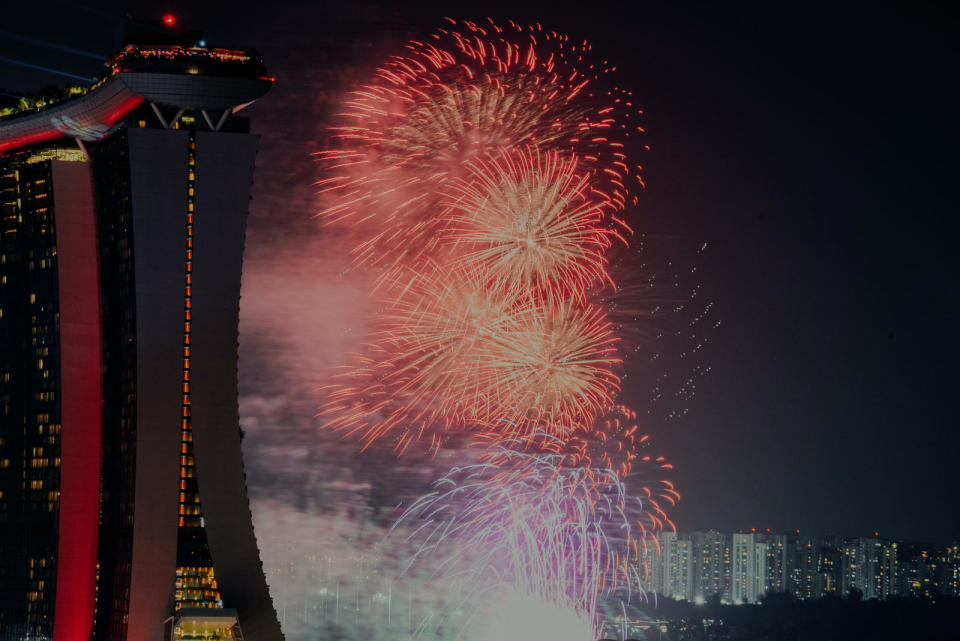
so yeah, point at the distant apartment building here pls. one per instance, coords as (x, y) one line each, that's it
(948, 571)
(801, 566)
(668, 566)
(776, 562)
(711, 551)
(743, 568)
(761, 570)
(749, 568)
(828, 569)
(917, 568)
(678, 566)
(870, 566)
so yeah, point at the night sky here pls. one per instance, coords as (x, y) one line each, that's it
(809, 147)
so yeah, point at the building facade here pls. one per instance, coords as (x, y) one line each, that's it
(678, 566)
(869, 565)
(749, 568)
(917, 570)
(776, 561)
(39, 523)
(123, 505)
(829, 560)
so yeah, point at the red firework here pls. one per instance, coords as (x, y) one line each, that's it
(468, 91)
(486, 171)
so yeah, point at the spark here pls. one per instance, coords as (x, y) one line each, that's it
(544, 523)
(453, 355)
(527, 219)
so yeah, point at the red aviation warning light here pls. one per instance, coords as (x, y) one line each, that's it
(169, 19)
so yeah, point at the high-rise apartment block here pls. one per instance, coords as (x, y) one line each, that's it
(678, 566)
(712, 562)
(870, 566)
(948, 570)
(777, 546)
(749, 568)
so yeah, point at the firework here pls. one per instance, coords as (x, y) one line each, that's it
(567, 533)
(614, 448)
(467, 91)
(484, 173)
(454, 355)
(527, 220)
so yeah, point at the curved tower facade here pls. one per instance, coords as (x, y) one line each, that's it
(123, 503)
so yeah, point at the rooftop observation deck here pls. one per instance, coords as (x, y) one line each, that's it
(193, 78)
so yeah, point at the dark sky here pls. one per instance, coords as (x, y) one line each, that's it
(811, 146)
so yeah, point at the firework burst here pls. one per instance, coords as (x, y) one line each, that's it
(527, 220)
(453, 355)
(467, 91)
(567, 533)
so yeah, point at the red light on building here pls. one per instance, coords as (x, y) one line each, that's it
(169, 19)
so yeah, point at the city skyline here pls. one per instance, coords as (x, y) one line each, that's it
(737, 567)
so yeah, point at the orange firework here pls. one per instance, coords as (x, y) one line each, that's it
(528, 221)
(615, 446)
(553, 370)
(419, 375)
(454, 354)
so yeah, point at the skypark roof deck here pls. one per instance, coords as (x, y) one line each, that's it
(183, 78)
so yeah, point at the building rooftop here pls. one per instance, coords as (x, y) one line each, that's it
(182, 77)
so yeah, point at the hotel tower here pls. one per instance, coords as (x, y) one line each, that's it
(123, 504)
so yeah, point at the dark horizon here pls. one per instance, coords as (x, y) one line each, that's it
(806, 148)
